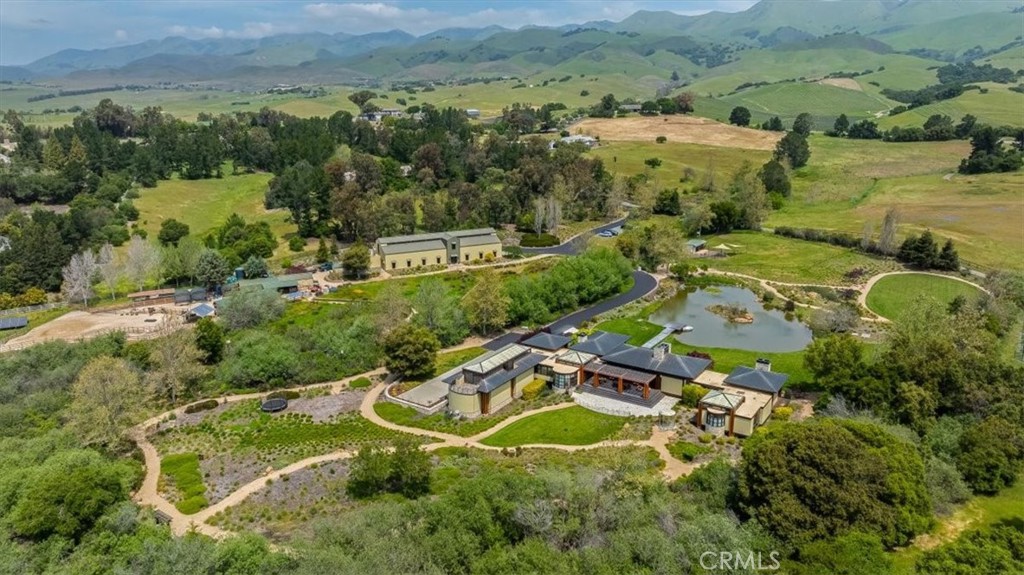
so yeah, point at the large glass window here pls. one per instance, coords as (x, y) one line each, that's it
(565, 380)
(714, 420)
(545, 370)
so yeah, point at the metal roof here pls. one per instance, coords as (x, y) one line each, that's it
(434, 236)
(681, 366)
(202, 310)
(548, 341)
(756, 379)
(496, 380)
(601, 343)
(411, 247)
(496, 358)
(481, 240)
(573, 357)
(13, 322)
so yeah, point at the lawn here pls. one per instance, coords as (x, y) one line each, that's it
(686, 451)
(788, 260)
(893, 294)
(409, 417)
(639, 330)
(570, 426)
(206, 204)
(627, 159)
(183, 470)
(445, 361)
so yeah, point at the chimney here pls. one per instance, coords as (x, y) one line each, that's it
(660, 351)
(581, 337)
(763, 364)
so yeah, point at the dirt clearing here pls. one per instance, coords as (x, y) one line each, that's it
(84, 325)
(684, 129)
(844, 83)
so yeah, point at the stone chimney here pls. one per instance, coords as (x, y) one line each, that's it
(660, 351)
(763, 364)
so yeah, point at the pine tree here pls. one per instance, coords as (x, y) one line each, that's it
(53, 154)
(322, 253)
(948, 258)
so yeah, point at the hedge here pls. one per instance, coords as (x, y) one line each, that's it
(533, 389)
(538, 240)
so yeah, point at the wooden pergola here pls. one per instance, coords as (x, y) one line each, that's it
(620, 375)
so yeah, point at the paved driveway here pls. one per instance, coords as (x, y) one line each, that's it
(576, 244)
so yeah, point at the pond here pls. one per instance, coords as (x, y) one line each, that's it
(770, 331)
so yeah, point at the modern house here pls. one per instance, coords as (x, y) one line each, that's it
(491, 382)
(420, 250)
(604, 365)
(745, 400)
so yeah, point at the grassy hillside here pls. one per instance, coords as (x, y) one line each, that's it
(956, 35)
(824, 102)
(627, 158)
(999, 106)
(850, 183)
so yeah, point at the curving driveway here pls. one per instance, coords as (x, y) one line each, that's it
(643, 284)
(575, 244)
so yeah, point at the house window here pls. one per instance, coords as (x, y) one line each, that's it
(714, 420)
(394, 264)
(408, 263)
(545, 370)
(467, 257)
(494, 253)
(423, 261)
(564, 380)
(439, 260)
(479, 255)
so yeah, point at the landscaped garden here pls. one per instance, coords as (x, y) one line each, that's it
(181, 471)
(409, 417)
(235, 444)
(570, 426)
(893, 294)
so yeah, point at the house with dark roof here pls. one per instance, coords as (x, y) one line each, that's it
(743, 402)
(547, 341)
(599, 342)
(673, 371)
(492, 381)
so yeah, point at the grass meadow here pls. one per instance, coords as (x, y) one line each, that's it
(570, 426)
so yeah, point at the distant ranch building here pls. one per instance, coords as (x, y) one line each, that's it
(443, 248)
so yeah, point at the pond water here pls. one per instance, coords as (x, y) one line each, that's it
(769, 332)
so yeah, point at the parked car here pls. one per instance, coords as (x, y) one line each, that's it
(605, 234)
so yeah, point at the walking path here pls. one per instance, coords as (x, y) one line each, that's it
(149, 493)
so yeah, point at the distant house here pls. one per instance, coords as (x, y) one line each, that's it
(580, 139)
(630, 107)
(473, 113)
(695, 246)
(283, 284)
(442, 248)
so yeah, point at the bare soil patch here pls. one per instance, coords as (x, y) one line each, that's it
(844, 83)
(678, 128)
(82, 324)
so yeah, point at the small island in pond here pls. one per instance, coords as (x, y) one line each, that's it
(734, 313)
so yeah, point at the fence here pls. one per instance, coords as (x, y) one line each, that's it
(132, 332)
(31, 308)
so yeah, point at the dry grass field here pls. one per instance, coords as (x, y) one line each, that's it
(677, 129)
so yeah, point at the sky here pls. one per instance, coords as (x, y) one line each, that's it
(31, 29)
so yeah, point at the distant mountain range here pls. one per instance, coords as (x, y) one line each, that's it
(937, 30)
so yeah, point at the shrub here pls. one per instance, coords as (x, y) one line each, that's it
(360, 383)
(288, 394)
(687, 451)
(202, 406)
(661, 139)
(538, 240)
(692, 393)
(782, 413)
(703, 355)
(296, 244)
(706, 438)
(533, 389)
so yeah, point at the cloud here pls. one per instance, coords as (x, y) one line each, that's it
(248, 30)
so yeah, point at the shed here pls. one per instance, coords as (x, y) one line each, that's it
(200, 311)
(696, 245)
(12, 322)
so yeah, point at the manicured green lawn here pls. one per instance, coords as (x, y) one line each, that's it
(570, 426)
(638, 330)
(183, 470)
(893, 294)
(791, 363)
